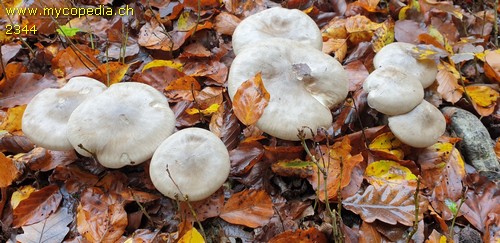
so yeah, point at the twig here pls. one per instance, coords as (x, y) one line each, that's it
(417, 209)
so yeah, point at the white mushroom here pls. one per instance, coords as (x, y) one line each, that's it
(279, 22)
(392, 91)
(398, 54)
(45, 119)
(421, 127)
(192, 162)
(304, 84)
(122, 126)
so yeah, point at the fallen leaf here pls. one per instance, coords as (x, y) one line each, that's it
(250, 100)
(251, 208)
(388, 204)
(294, 168)
(20, 89)
(484, 98)
(383, 35)
(387, 146)
(52, 229)
(15, 144)
(75, 179)
(8, 171)
(183, 88)
(481, 204)
(492, 65)
(37, 207)
(206, 112)
(244, 157)
(225, 23)
(40, 159)
(192, 236)
(111, 72)
(309, 235)
(78, 60)
(449, 88)
(368, 233)
(163, 63)
(21, 194)
(14, 117)
(100, 216)
(391, 173)
(203, 209)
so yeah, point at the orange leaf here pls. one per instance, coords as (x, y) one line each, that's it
(252, 208)
(8, 171)
(300, 236)
(336, 159)
(484, 98)
(492, 65)
(184, 83)
(111, 72)
(37, 207)
(250, 100)
(448, 85)
(69, 63)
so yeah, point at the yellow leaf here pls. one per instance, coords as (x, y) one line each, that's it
(111, 72)
(21, 194)
(383, 35)
(163, 63)
(484, 98)
(250, 100)
(387, 143)
(388, 172)
(206, 112)
(192, 236)
(413, 6)
(185, 22)
(14, 118)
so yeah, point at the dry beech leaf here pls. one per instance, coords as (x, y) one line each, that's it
(386, 145)
(100, 216)
(225, 125)
(484, 98)
(250, 100)
(20, 89)
(14, 117)
(492, 65)
(195, 50)
(335, 29)
(336, 159)
(251, 208)
(203, 4)
(336, 46)
(204, 209)
(191, 236)
(111, 72)
(14, 143)
(244, 157)
(69, 63)
(40, 159)
(225, 23)
(37, 207)
(183, 88)
(481, 205)
(8, 171)
(163, 63)
(391, 173)
(52, 229)
(368, 233)
(74, 178)
(448, 87)
(300, 236)
(388, 204)
(21, 194)
(215, 70)
(357, 74)
(383, 35)
(295, 168)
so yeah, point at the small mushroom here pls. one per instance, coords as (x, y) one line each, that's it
(421, 127)
(392, 91)
(192, 162)
(45, 119)
(121, 126)
(398, 54)
(279, 22)
(303, 83)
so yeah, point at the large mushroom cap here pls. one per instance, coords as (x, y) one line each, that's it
(421, 127)
(392, 91)
(198, 163)
(279, 22)
(303, 83)
(121, 126)
(46, 116)
(398, 54)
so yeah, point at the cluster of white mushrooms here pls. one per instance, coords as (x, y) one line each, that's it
(127, 124)
(303, 82)
(396, 88)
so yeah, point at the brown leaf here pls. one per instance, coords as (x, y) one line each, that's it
(100, 216)
(300, 236)
(389, 204)
(368, 233)
(448, 86)
(78, 60)
(203, 4)
(74, 178)
(244, 157)
(226, 126)
(225, 23)
(250, 100)
(40, 159)
(37, 207)
(111, 72)
(158, 77)
(8, 171)
(20, 89)
(212, 69)
(182, 88)
(492, 65)
(481, 204)
(15, 144)
(46, 24)
(252, 208)
(336, 46)
(357, 74)
(204, 209)
(408, 31)
(195, 50)
(295, 168)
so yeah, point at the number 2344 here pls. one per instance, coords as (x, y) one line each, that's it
(15, 29)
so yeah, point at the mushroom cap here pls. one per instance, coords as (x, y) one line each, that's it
(278, 22)
(303, 83)
(121, 126)
(398, 54)
(421, 127)
(392, 91)
(198, 162)
(45, 119)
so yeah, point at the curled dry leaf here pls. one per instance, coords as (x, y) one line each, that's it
(225, 23)
(250, 100)
(449, 88)
(12, 122)
(481, 205)
(15, 144)
(111, 72)
(388, 204)
(300, 235)
(252, 208)
(52, 229)
(492, 65)
(100, 216)
(387, 146)
(37, 207)
(484, 98)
